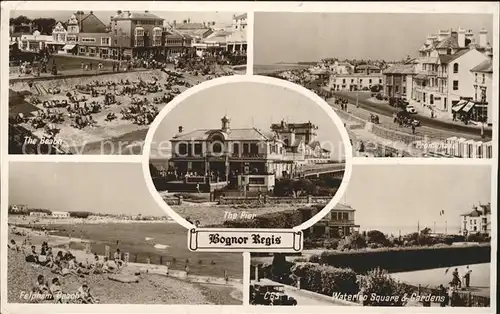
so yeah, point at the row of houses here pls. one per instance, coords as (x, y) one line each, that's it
(453, 74)
(135, 35)
(477, 221)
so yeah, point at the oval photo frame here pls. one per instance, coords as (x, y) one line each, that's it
(348, 154)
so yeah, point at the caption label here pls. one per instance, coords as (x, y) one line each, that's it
(245, 240)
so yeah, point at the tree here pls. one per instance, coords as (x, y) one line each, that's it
(44, 25)
(21, 19)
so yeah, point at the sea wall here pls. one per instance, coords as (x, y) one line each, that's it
(408, 259)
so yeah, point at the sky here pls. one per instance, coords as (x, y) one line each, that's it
(293, 37)
(113, 188)
(392, 197)
(247, 104)
(104, 16)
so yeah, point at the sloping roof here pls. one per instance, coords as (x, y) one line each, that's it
(340, 206)
(248, 134)
(445, 59)
(89, 23)
(241, 16)
(367, 66)
(486, 208)
(474, 213)
(190, 26)
(315, 144)
(401, 69)
(459, 54)
(237, 36)
(215, 39)
(127, 15)
(485, 67)
(449, 42)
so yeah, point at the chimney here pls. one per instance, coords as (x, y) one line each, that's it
(181, 129)
(146, 11)
(429, 40)
(443, 34)
(461, 37)
(469, 37)
(483, 38)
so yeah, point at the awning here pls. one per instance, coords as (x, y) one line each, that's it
(468, 107)
(68, 47)
(459, 105)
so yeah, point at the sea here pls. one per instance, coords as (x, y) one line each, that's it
(271, 68)
(158, 242)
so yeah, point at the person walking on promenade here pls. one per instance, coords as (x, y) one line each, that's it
(456, 279)
(466, 277)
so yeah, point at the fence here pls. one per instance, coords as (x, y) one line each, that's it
(464, 298)
(232, 200)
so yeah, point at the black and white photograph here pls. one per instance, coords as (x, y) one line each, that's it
(91, 82)
(243, 159)
(391, 242)
(117, 247)
(406, 85)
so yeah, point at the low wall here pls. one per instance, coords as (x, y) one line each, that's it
(408, 259)
(233, 200)
(395, 135)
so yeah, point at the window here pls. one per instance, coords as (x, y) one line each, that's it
(197, 149)
(254, 149)
(82, 50)
(157, 31)
(431, 99)
(246, 148)
(484, 78)
(380, 81)
(455, 85)
(139, 31)
(106, 41)
(370, 81)
(259, 181)
(455, 68)
(88, 40)
(236, 148)
(404, 90)
(475, 77)
(343, 81)
(352, 80)
(182, 149)
(448, 51)
(216, 147)
(72, 38)
(139, 42)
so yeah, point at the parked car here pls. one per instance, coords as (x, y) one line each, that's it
(270, 294)
(411, 109)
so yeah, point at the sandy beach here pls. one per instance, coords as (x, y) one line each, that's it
(154, 285)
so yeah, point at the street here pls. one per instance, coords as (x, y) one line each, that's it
(429, 126)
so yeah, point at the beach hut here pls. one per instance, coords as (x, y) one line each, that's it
(488, 150)
(460, 148)
(451, 145)
(477, 150)
(468, 149)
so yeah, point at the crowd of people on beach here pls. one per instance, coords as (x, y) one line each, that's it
(65, 264)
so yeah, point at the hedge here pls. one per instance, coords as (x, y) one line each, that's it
(279, 220)
(401, 259)
(325, 279)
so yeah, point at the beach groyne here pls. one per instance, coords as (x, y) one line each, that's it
(408, 259)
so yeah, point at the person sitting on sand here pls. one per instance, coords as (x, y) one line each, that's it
(41, 286)
(118, 258)
(13, 246)
(108, 266)
(96, 267)
(56, 290)
(85, 296)
(32, 257)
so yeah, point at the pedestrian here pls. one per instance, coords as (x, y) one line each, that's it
(443, 296)
(186, 269)
(413, 128)
(198, 188)
(456, 279)
(466, 277)
(454, 116)
(90, 66)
